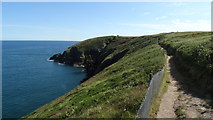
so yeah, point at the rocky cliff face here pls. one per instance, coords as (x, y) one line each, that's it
(93, 59)
(68, 58)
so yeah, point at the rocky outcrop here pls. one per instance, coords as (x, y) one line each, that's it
(72, 57)
(93, 59)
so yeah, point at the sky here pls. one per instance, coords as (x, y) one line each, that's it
(77, 21)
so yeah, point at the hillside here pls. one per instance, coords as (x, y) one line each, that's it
(193, 53)
(119, 71)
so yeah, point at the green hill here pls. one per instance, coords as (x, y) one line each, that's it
(193, 52)
(120, 69)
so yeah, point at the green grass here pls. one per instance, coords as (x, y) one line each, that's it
(118, 88)
(155, 103)
(195, 48)
(193, 52)
(115, 92)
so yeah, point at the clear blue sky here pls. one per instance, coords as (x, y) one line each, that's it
(83, 20)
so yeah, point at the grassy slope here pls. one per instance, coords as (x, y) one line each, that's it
(119, 89)
(155, 104)
(193, 47)
(193, 51)
(116, 91)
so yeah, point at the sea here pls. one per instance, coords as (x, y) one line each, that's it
(30, 80)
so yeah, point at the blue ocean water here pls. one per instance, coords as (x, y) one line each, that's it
(29, 80)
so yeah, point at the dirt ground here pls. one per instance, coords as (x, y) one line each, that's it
(181, 103)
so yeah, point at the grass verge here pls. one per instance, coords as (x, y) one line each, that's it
(155, 104)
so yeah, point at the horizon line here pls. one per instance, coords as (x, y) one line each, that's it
(106, 1)
(41, 40)
(95, 37)
(38, 40)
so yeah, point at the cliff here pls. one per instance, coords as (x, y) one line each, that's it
(119, 71)
(92, 54)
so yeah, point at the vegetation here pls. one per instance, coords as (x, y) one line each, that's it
(120, 69)
(117, 90)
(155, 103)
(195, 47)
(180, 112)
(193, 52)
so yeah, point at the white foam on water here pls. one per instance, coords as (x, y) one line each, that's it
(60, 63)
(50, 60)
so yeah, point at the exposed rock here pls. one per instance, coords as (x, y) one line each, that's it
(194, 107)
(93, 59)
(56, 57)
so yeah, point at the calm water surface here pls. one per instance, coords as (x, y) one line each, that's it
(29, 80)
